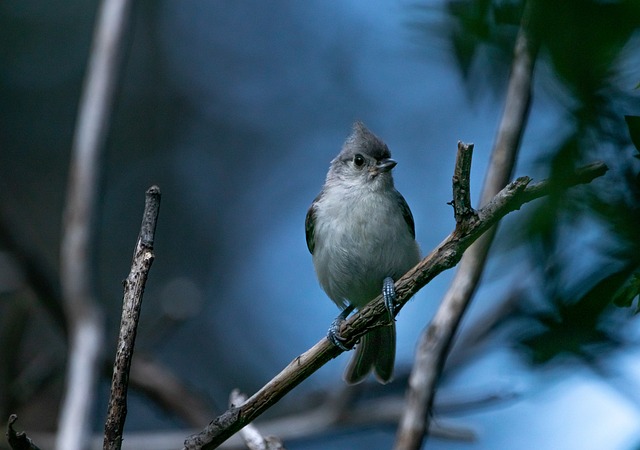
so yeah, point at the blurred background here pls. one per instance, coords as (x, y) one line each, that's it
(235, 109)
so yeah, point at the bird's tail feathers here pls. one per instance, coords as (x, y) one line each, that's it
(376, 351)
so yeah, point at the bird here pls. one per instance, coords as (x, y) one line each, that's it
(361, 235)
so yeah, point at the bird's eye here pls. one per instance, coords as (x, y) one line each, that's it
(358, 160)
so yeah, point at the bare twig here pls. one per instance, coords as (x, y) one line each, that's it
(461, 202)
(445, 256)
(81, 310)
(434, 346)
(18, 440)
(131, 305)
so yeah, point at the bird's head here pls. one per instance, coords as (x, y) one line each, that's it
(364, 160)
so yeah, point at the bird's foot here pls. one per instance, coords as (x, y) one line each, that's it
(334, 329)
(389, 294)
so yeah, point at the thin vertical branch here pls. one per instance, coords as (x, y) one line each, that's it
(76, 253)
(436, 339)
(131, 305)
(461, 202)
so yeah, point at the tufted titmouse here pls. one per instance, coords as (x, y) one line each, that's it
(361, 234)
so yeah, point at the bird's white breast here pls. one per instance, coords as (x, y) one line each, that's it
(361, 237)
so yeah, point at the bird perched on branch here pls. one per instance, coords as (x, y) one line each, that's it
(361, 234)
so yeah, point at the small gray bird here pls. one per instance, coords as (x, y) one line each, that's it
(361, 234)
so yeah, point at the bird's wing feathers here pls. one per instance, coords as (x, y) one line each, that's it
(406, 213)
(309, 224)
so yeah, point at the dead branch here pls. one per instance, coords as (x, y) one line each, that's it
(132, 304)
(444, 257)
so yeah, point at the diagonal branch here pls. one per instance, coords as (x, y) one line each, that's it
(433, 347)
(444, 257)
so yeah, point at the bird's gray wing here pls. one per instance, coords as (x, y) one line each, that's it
(309, 224)
(406, 213)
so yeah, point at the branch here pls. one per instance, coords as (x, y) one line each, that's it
(444, 257)
(132, 303)
(431, 354)
(81, 308)
(461, 202)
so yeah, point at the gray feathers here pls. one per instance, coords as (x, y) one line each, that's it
(364, 141)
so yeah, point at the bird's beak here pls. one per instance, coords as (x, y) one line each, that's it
(385, 165)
